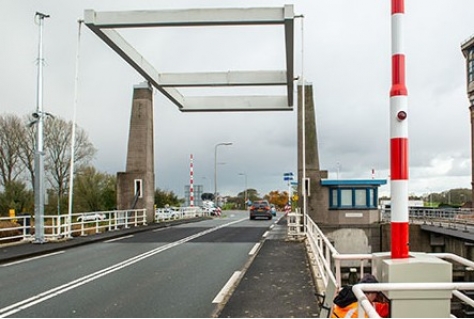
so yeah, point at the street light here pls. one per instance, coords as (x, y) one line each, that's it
(245, 203)
(215, 168)
(39, 115)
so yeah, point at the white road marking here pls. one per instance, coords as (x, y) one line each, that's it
(254, 249)
(27, 303)
(221, 295)
(116, 239)
(266, 233)
(32, 258)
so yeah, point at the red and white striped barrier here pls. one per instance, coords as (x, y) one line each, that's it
(398, 137)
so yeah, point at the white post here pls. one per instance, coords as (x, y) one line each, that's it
(73, 135)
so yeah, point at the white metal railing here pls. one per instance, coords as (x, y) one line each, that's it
(58, 226)
(295, 228)
(170, 213)
(20, 228)
(458, 216)
(366, 307)
(329, 263)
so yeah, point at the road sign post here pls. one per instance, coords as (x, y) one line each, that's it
(288, 177)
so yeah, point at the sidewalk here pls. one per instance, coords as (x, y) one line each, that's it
(277, 284)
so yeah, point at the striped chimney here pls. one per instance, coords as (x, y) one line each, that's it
(191, 182)
(398, 138)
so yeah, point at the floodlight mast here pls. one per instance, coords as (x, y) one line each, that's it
(39, 152)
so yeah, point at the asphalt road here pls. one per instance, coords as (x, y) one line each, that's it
(172, 272)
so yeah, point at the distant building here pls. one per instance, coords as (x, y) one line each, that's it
(197, 190)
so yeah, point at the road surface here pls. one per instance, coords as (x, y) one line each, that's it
(179, 271)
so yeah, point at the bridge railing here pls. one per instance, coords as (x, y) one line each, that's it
(329, 262)
(426, 214)
(59, 226)
(21, 228)
(170, 213)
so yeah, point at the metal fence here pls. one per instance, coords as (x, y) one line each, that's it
(171, 213)
(328, 262)
(21, 228)
(433, 214)
(59, 226)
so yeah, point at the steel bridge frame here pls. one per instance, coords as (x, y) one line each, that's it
(104, 25)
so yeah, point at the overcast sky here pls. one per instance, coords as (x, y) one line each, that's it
(347, 59)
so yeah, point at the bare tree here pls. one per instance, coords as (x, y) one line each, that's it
(10, 162)
(58, 152)
(17, 150)
(27, 148)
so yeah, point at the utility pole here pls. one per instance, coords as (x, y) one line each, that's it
(39, 151)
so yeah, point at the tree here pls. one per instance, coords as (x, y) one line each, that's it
(17, 197)
(10, 161)
(252, 194)
(279, 199)
(27, 149)
(163, 198)
(94, 191)
(57, 137)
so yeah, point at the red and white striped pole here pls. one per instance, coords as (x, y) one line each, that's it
(398, 138)
(191, 182)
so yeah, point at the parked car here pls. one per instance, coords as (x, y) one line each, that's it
(91, 217)
(273, 210)
(209, 207)
(167, 213)
(260, 208)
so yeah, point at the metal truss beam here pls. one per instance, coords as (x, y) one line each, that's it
(103, 24)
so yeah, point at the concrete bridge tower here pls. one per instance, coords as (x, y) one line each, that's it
(317, 198)
(136, 186)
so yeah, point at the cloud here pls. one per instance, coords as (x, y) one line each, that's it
(346, 58)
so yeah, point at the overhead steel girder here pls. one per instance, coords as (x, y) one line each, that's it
(103, 24)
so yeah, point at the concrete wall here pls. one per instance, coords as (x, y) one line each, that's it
(351, 216)
(424, 241)
(354, 239)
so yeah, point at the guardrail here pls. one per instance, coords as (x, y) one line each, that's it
(16, 228)
(58, 226)
(429, 214)
(21, 228)
(329, 263)
(164, 214)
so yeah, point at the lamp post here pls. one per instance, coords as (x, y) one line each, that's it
(245, 202)
(39, 153)
(215, 169)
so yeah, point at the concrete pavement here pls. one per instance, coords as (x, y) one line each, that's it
(277, 284)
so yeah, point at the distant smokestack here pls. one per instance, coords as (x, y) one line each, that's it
(191, 181)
